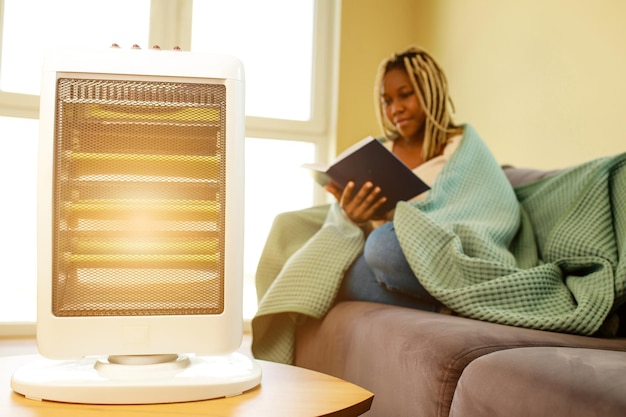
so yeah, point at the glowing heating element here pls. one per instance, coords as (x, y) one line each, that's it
(138, 186)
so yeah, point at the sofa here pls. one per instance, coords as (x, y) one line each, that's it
(420, 363)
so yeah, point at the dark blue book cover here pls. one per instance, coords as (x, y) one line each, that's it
(369, 160)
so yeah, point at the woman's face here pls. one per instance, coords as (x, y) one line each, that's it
(402, 106)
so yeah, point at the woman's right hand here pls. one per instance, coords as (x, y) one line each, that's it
(360, 206)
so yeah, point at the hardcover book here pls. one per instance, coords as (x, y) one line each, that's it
(370, 160)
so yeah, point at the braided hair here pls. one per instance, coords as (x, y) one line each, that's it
(431, 87)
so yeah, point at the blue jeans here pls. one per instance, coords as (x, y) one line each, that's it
(382, 274)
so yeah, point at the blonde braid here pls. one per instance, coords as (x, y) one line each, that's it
(431, 87)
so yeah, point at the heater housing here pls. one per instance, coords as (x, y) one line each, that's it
(140, 205)
(140, 229)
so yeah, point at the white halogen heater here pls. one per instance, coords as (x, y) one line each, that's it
(140, 229)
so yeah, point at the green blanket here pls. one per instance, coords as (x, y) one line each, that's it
(547, 255)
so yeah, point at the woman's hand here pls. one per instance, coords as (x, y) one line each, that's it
(360, 206)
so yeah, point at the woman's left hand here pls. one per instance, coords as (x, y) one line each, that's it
(360, 206)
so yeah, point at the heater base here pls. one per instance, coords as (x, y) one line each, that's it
(101, 381)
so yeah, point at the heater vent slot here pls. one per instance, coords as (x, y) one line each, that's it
(139, 198)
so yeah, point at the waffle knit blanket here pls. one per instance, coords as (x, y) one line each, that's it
(548, 255)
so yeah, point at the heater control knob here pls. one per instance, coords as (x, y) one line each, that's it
(114, 45)
(135, 46)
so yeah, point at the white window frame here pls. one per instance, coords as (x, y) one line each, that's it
(170, 24)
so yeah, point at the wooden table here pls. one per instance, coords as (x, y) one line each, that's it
(285, 390)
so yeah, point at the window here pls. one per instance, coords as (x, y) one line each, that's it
(288, 84)
(18, 176)
(30, 27)
(277, 78)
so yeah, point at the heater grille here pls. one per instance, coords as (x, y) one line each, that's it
(139, 191)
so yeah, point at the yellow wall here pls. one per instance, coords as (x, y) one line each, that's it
(370, 32)
(543, 81)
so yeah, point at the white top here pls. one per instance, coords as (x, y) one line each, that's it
(429, 170)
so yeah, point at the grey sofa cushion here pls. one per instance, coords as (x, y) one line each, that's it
(543, 381)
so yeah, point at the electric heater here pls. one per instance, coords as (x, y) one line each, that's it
(140, 229)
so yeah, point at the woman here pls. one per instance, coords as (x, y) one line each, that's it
(413, 106)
